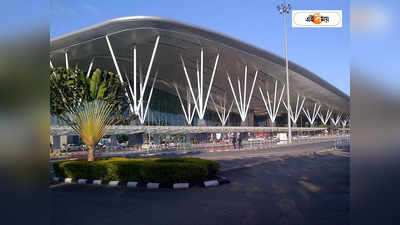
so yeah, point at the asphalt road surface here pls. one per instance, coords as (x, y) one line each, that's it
(292, 187)
(238, 158)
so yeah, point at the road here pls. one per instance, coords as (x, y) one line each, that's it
(286, 188)
(204, 147)
(233, 159)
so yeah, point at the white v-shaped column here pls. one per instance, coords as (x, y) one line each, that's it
(272, 109)
(295, 116)
(243, 103)
(311, 117)
(345, 120)
(224, 114)
(326, 119)
(137, 98)
(189, 112)
(66, 59)
(336, 121)
(200, 102)
(90, 67)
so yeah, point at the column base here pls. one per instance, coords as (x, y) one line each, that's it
(201, 123)
(271, 124)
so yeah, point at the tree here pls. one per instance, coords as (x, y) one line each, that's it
(71, 87)
(91, 120)
(88, 104)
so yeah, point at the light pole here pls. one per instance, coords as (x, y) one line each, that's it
(285, 9)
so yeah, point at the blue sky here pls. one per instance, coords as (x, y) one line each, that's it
(324, 51)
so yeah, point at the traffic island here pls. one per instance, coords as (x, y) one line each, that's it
(148, 173)
(134, 184)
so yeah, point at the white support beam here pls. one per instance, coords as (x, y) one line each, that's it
(272, 111)
(114, 59)
(142, 116)
(129, 85)
(307, 113)
(198, 81)
(209, 87)
(189, 113)
(150, 65)
(311, 117)
(244, 104)
(138, 95)
(218, 113)
(90, 67)
(119, 72)
(190, 85)
(182, 105)
(201, 77)
(345, 119)
(326, 119)
(52, 67)
(294, 116)
(336, 121)
(223, 115)
(66, 59)
(199, 101)
(134, 80)
(240, 95)
(137, 98)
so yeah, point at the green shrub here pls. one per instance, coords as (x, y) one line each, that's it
(168, 170)
(57, 170)
(173, 172)
(212, 166)
(124, 170)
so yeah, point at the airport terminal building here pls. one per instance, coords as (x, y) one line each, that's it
(184, 78)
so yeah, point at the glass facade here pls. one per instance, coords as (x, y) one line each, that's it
(166, 110)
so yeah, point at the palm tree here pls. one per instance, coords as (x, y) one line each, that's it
(91, 120)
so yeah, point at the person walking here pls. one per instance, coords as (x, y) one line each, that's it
(139, 141)
(234, 141)
(239, 140)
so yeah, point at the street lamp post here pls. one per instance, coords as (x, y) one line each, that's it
(285, 9)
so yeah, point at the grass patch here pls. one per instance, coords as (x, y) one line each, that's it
(158, 170)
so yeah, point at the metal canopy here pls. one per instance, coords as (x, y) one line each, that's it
(177, 39)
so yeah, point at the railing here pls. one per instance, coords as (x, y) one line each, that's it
(338, 141)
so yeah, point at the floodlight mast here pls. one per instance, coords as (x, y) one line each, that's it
(285, 9)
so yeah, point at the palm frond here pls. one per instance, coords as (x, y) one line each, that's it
(91, 120)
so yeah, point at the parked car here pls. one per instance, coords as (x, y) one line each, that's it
(70, 148)
(148, 145)
(102, 145)
(113, 147)
(124, 144)
(172, 144)
(83, 148)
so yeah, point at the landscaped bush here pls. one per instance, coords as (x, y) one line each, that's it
(168, 170)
